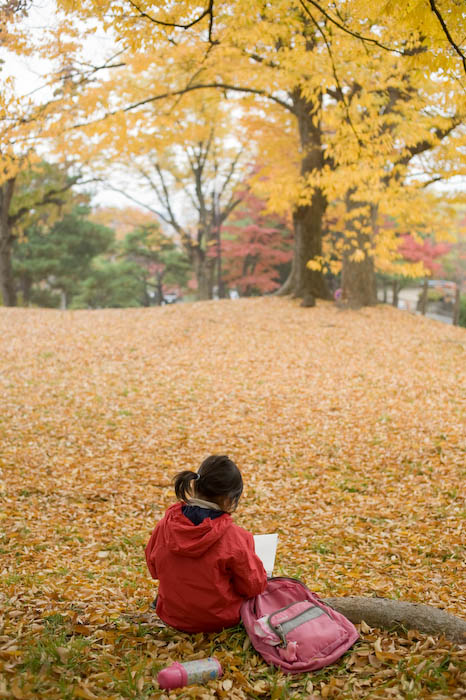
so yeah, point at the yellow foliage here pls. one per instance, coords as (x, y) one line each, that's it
(322, 112)
(315, 264)
(357, 256)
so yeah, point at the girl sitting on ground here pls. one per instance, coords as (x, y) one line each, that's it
(205, 563)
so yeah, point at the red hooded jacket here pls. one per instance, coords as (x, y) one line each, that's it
(205, 571)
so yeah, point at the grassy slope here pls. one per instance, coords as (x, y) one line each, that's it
(349, 429)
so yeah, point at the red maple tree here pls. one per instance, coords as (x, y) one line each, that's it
(255, 245)
(425, 251)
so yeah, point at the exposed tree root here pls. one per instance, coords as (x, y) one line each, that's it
(387, 613)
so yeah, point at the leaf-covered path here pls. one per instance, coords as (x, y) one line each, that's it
(350, 432)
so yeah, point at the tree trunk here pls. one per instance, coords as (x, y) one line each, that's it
(210, 265)
(384, 290)
(395, 293)
(159, 287)
(307, 223)
(25, 284)
(423, 300)
(307, 219)
(7, 283)
(358, 281)
(201, 274)
(386, 614)
(457, 305)
(146, 300)
(220, 282)
(204, 268)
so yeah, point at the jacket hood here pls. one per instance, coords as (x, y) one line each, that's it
(187, 539)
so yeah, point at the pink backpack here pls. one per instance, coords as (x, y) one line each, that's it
(293, 629)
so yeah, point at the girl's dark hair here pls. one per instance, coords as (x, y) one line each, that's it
(218, 477)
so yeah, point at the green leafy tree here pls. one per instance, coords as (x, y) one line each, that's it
(158, 261)
(35, 198)
(110, 284)
(60, 257)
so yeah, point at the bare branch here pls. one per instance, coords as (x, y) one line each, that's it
(233, 203)
(208, 145)
(231, 172)
(197, 172)
(191, 158)
(173, 219)
(153, 185)
(211, 20)
(170, 219)
(137, 201)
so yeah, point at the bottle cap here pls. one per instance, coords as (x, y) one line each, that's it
(172, 677)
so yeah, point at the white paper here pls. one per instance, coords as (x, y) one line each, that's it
(266, 549)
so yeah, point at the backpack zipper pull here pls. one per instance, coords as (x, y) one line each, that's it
(281, 634)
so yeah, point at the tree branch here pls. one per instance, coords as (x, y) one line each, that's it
(185, 239)
(209, 11)
(425, 145)
(175, 93)
(197, 171)
(48, 198)
(334, 71)
(355, 34)
(223, 215)
(207, 86)
(231, 172)
(137, 201)
(85, 76)
(431, 181)
(447, 33)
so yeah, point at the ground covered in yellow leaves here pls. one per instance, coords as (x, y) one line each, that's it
(349, 428)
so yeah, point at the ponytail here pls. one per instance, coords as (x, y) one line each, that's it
(182, 483)
(218, 477)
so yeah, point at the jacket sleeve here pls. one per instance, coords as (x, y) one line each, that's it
(150, 554)
(249, 577)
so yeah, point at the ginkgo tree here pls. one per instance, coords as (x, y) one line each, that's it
(306, 66)
(439, 25)
(265, 54)
(185, 163)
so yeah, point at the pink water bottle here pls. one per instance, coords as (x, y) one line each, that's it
(190, 672)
